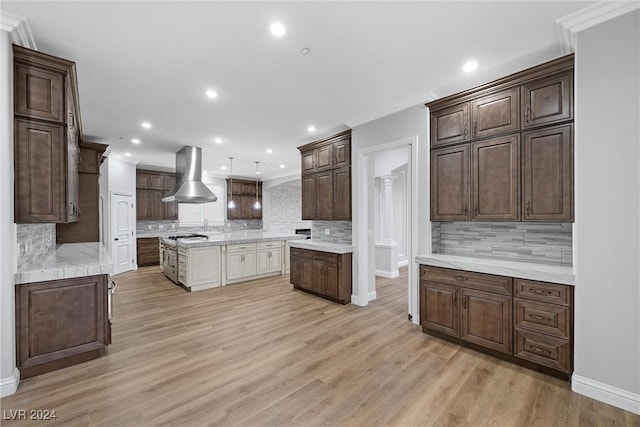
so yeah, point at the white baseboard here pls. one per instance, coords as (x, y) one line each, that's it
(9, 385)
(403, 263)
(606, 393)
(387, 274)
(372, 296)
(356, 301)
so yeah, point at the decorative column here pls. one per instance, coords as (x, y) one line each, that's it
(386, 247)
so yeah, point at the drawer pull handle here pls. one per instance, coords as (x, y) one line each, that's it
(464, 302)
(455, 298)
(460, 278)
(539, 291)
(541, 350)
(539, 318)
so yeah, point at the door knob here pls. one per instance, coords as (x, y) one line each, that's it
(115, 238)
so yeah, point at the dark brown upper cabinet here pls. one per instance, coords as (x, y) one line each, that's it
(521, 167)
(326, 178)
(47, 135)
(547, 101)
(495, 169)
(244, 196)
(450, 184)
(151, 186)
(496, 114)
(450, 125)
(547, 181)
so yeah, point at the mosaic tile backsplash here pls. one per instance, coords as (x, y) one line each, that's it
(339, 231)
(514, 241)
(34, 241)
(234, 225)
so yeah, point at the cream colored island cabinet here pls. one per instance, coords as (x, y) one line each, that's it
(199, 268)
(269, 257)
(241, 261)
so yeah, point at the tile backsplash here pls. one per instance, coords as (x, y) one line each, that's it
(339, 231)
(515, 241)
(285, 208)
(171, 226)
(34, 241)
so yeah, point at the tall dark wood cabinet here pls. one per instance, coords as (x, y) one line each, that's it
(151, 186)
(326, 178)
(48, 131)
(516, 133)
(87, 228)
(61, 323)
(243, 193)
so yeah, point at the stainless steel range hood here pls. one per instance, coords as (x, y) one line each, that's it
(189, 186)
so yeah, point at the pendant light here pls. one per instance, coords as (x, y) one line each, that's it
(257, 205)
(231, 204)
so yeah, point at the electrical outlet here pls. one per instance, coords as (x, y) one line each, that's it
(161, 226)
(28, 246)
(327, 231)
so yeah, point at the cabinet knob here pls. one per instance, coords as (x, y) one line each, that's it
(455, 298)
(528, 207)
(464, 302)
(466, 209)
(475, 209)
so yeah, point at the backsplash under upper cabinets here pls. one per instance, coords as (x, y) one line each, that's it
(34, 241)
(339, 232)
(514, 241)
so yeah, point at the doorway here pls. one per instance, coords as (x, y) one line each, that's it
(122, 237)
(378, 229)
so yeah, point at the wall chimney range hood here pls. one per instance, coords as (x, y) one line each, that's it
(189, 186)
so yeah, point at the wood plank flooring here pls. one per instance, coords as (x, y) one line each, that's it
(260, 354)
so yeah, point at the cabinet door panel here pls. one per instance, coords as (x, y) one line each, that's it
(450, 125)
(547, 181)
(324, 195)
(234, 266)
(39, 93)
(262, 263)
(324, 157)
(319, 277)
(308, 162)
(450, 184)
(275, 261)
(307, 274)
(155, 182)
(439, 307)
(157, 208)
(486, 320)
(342, 153)
(296, 269)
(496, 179)
(547, 101)
(309, 192)
(169, 210)
(331, 280)
(249, 265)
(496, 114)
(342, 194)
(39, 172)
(143, 204)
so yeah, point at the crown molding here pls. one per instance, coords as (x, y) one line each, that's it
(590, 16)
(18, 27)
(419, 98)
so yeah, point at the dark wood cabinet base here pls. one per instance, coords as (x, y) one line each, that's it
(321, 295)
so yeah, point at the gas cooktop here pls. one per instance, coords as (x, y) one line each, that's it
(189, 236)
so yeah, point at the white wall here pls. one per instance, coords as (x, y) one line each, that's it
(8, 372)
(388, 160)
(607, 229)
(400, 220)
(408, 123)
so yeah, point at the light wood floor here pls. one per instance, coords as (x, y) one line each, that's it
(262, 354)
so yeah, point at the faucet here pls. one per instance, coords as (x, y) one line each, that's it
(204, 227)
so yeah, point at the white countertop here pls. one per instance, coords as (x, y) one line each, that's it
(315, 245)
(523, 270)
(67, 261)
(220, 239)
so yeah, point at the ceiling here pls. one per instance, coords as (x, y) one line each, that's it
(153, 61)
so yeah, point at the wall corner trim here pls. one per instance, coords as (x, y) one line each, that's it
(18, 27)
(590, 16)
(386, 274)
(606, 393)
(372, 296)
(9, 385)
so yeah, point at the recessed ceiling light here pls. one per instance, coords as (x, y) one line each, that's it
(127, 154)
(470, 66)
(278, 29)
(281, 166)
(211, 93)
(269, 151)
(311, 128)
(218, 140)
(224, 168)
(135, 141)
(305, 51)
(146, 125)
(205, 172)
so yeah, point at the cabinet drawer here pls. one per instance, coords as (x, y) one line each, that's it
(485, 282)
(268, 245)
(242, 247)
(549, 319)
(300, 253)
(182, 277)
(541, 291)
(544, 350)
(325, 257)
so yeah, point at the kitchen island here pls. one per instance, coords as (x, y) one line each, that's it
(219, 259)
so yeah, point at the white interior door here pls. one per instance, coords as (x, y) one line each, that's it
(122, 241)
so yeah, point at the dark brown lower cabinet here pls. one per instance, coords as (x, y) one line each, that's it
(523, 321)
(148, 250)
(322, 273)
(60, 323)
